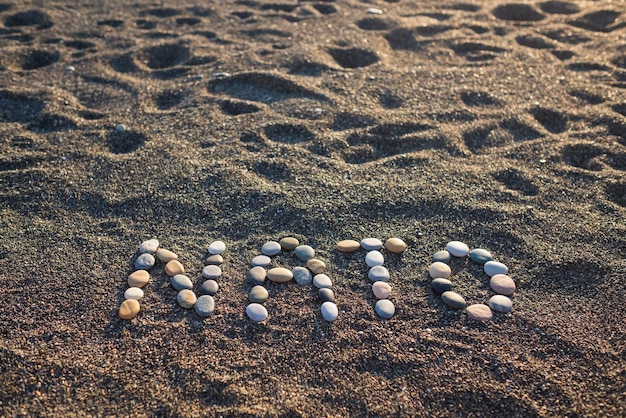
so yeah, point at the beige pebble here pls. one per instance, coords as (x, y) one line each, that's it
(139, 278)
(214, 259)
(129, 309)
(395, 245)
(316, 266)
(173, 268)
(381, 290)
(479, 312)
(502, 284)
(439, 270)
(279, 275)
(348, 246)
(289, 243)
(166, 255)
(186, 298)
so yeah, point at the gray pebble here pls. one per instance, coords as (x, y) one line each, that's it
(256, 312)
(261, 260)
(374, 258)
(453, 300)
(329, 311)
(304, 252)
(500, 303)
(144, 262)
(205, 305)
(441, 285)
(210, 287)
(385, 308)
(149, 246)
(258, 294)
(180, 282)
(257, 275)
(322, 281)
(214, 259)
(211, 272)
(442, 256)
(378, 273)
(326, 295)
(271, 248)
(371, 244)
(302, 275)
(480, 255)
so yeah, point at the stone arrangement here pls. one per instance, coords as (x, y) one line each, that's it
(378, 274)
(500, 282)
(312, 273)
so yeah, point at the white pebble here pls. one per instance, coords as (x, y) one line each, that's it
(329, 311)
(217, 247)
(374, 258)
(457, 248)
(494, 267)
(133, 293)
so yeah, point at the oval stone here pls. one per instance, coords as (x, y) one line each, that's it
(480, 256)
(261, 260)
(214, 259)
(371, 244)
(139, 278)
(302, 275)
(440, 285)
(500, 303)
(173, 268)
(217, 247)
(348, 246)
(385, 308)
(133, 293)
(149, 246)
(304, 252)
(186, 298)
(144, 262)
(330, 312)
(395, 245)
(256, 312)
(209, 287)
(479, 312)
(442, 256)
(205, 305)
(457, 248)
(326, 295)
(453, 300)
(129, 309)
(180, 282)
(374, 258)
(494, 267)
(258, 294)
(271, 248)
(279, 275)
(211, 272)
(381, 290)
(439, 270)
(502, 284)
(289, 243)
(322, 281)
(378, 273)
(257, 275)
(316, 266)
(166, 255)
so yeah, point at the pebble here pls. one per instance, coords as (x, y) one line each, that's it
(205, 305)
(480, 255)
(479, 312)
(209, 287)
(256, 312)
(374, 258)
(70, 68)
(439, 270)
(304, 252)
(134, 293)
(217, 247)
(180, 282)
(258, 294)
(385, 308)
(173, 268)
(316, 266)
(374, 11)
(129, 309)
(144, 262)
(371, 244)
(453, 300)
(442, 256)
(381, 290)
(279, 275)
(500, 303)
(322, 281)
(457, 248)
(502, 284)
(166, 255)
(186, 298)
(329, 311)
(395, 245)
(120, 127)
(149, 246)
(257, 275)
(326, 295)
(214, 259)
(493, 267)
(440, 285)
(211, 272)
(378, 273)
(139, 278)
(348, 246)
(289, 243)
(302, 275)
(261, 260)
(271, 248)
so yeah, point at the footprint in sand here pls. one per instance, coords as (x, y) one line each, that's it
(515, 180)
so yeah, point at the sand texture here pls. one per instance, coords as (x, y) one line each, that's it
(502, 125)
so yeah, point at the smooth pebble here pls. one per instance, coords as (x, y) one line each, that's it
(371, 244)
(302, 275)
(453, 300)
(261, 260)
(180, 282)
(494, 267)
(174, 267)
(204, 306)
(186, 298)
(326, 295)
(381, 290)
(256, 312)
(149, 246)
(279, 275)
(395, 245)
(304, 252)
(258, 294)
(144, 262)
(480, 255)
(457, 248)
(134, 293)
(442, 256)
(440, 285)
(214, 259)
(271, 248)
(374, 11)
(439, 270)
(211, 272)
(502, 284)
(129, 309)
(166, 255)
(374, 258)
(500, 303)
(479, 312)
(217, 247)
(138, 278)
(348, 246)
(330, 312)
(289, 243)
(257, 275)
(385, 308)
(209, 287)
(322, 281)
(378, 273)
(316, 266)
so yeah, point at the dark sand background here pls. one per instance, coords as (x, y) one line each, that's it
(503, 127)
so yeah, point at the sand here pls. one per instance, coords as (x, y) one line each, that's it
(500, 126)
